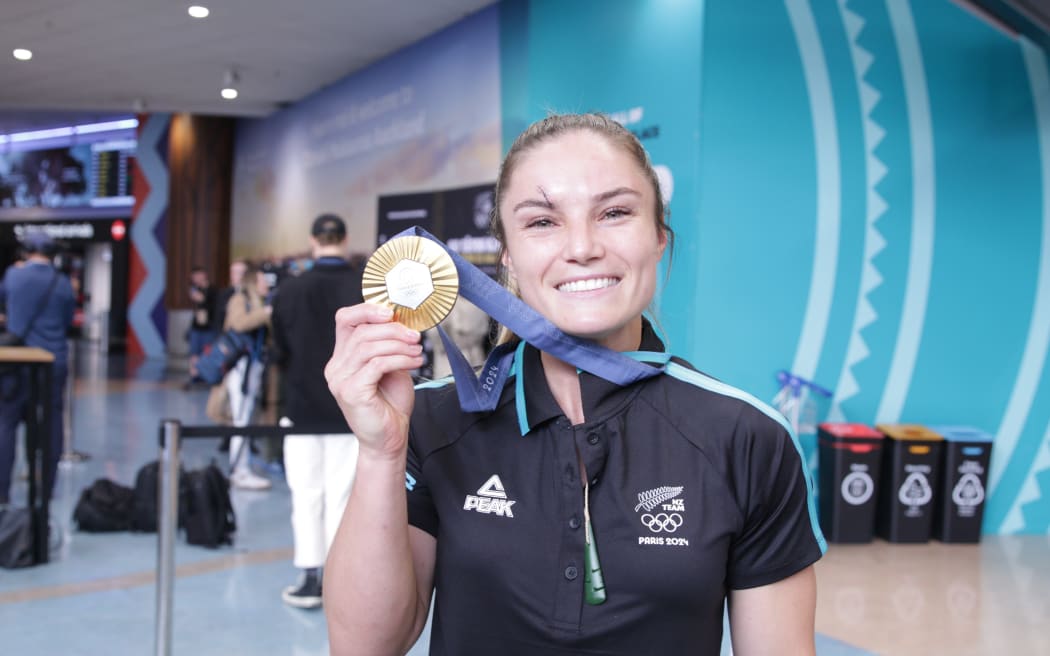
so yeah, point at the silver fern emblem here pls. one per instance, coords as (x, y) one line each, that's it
(654, 498)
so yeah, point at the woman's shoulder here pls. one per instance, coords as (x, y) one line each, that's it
(439, 421)
(693, 397)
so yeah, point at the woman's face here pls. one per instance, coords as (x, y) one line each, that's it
(582, 241)
(262, 283)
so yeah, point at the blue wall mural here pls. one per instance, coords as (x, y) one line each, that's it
(426, 117)
(860, 191)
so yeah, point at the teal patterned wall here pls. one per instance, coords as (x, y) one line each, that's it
(860, 191)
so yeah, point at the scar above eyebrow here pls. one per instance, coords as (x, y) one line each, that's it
(546, 203)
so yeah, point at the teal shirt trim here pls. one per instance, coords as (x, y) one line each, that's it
(434, 384)
(519, 389)
(676, 370)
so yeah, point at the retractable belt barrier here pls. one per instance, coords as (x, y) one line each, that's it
(172, 432)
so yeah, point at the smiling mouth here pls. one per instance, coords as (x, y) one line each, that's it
(588, 285)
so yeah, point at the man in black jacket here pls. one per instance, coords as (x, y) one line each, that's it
(319, 464)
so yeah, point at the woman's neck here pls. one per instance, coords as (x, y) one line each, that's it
(564, 382)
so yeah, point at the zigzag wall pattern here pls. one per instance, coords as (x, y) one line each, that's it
(875, 170)
(146, 315)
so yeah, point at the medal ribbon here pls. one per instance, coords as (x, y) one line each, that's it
(481, 394)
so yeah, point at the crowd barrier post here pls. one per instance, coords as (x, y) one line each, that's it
(167, 526)
(69, 455)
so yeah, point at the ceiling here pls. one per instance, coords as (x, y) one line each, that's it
(93, 59)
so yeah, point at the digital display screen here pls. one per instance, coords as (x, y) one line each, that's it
(112, 163)
(83, 175)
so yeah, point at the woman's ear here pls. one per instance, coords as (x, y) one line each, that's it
(508, 265)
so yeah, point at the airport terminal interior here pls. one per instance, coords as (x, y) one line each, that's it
(859, 197)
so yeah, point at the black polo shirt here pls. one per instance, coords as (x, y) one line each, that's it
(696, 489)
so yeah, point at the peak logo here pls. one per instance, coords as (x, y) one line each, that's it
(491, 499)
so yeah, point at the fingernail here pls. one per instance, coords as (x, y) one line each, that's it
(385, 312)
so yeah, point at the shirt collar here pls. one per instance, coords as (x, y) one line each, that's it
(535, 401)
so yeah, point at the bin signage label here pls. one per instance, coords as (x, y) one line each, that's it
(915, 493)
(857, 488)
(968, 494)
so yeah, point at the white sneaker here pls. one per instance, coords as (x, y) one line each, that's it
(246, 479)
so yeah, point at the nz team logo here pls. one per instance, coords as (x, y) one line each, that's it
(491, 499)
(664, 514)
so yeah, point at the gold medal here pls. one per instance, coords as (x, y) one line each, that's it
(414, 277)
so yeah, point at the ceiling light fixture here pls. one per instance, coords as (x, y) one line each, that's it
(197, 11)
(229, 84)
(21, 54)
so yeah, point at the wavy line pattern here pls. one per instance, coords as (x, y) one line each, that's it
(874, 170)
(1038, 341)
(144, 240)
(923, 213)
(828, 192)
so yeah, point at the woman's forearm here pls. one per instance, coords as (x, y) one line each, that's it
(371, 593)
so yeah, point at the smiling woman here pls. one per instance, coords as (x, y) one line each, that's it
(696, 492)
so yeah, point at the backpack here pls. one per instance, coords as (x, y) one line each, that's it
(104, 506)
(145, 509)
(205, 509)
(223, 354)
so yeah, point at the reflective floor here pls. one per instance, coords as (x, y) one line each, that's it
(98, 596)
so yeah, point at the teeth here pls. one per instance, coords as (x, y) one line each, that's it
(587, 285)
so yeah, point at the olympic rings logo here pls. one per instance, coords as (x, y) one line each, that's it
(662, 522)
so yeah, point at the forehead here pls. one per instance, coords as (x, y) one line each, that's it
(574, 161)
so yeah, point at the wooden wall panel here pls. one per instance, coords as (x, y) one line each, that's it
(200, 164)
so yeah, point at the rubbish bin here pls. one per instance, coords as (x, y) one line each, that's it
(967, 452)
(911, 460)
(850, 458)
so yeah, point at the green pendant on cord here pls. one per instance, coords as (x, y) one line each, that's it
(593, 581)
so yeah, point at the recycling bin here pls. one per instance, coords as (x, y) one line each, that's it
(967, 452)
(850, 459)
(911, 462)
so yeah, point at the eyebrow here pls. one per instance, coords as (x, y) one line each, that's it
(598, 198)
(545, 204)
(613, 193)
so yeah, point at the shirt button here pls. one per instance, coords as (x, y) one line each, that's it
(594, 481)
(592, 438)
(574, 523)
(571, 573)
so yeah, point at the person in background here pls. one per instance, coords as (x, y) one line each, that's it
(247, 312)
(320, 460)
(39, 302)
(222, 299)
(19, 261)
(579, 515)
(202, 327)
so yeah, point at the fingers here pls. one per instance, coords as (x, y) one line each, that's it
(365, 332)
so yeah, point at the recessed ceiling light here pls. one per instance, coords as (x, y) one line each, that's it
(229, 93)
(22, 54)
(197, 11)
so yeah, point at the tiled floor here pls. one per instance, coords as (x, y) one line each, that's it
(98, 595)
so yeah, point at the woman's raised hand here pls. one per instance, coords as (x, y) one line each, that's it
(369, 376)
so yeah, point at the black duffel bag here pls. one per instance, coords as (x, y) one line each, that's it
(104, 506)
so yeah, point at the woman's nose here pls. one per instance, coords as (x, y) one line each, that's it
(581, 242)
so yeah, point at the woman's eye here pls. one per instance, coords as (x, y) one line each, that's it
(616, 213)
(539, 223)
